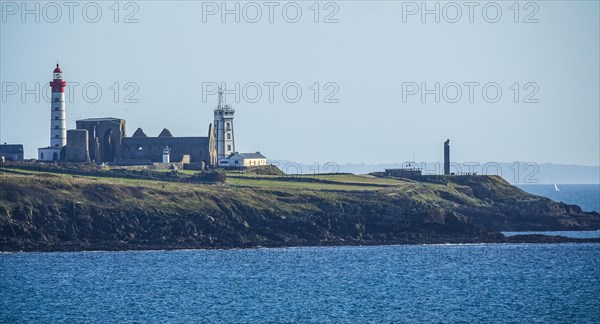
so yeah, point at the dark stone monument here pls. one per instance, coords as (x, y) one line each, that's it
(447, 157)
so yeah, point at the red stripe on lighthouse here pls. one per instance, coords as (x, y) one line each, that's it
(58, 85)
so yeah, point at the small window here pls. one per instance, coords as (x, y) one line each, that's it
(55, 136)
(228, 147)
(56, 118)
(56, 127)
(55, 108)
(55, 99)
(41, 156)
(228, 136)
(55, 145)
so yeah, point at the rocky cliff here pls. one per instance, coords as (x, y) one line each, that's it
(46, 212)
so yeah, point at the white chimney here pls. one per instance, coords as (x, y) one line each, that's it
(166, 155)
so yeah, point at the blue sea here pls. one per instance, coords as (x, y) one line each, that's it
(481, 283)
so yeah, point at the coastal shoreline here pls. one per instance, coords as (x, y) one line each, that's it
(100, 247)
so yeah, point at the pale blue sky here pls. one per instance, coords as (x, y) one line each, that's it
(369, 53)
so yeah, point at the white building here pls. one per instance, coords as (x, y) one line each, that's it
(58, 120)
(244, 160)
(223, 126)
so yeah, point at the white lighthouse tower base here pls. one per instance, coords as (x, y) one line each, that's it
(49, 154)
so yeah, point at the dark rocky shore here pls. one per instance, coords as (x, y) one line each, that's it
(53, 213)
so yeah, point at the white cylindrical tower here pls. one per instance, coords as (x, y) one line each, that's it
(223, 125)
(58, 114)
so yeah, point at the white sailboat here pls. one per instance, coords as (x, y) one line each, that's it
(556, 187)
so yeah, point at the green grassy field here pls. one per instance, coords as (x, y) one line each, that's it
(345, 182)
(27, 176)
(426, 192)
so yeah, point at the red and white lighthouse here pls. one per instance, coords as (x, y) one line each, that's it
(58, 119)
(58, 123)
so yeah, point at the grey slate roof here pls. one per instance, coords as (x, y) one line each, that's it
(165, 133)
(99, 119)
(255, 155)
(11, 149)
(139, 133)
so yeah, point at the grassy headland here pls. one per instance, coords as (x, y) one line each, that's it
(41, 210)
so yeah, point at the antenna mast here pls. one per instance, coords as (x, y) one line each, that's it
(220, 97)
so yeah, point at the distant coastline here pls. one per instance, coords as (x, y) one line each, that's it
(546, 173)
(586, 196)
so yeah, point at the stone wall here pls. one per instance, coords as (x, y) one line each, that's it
(104, 138)
(77, 146)
(151, 148)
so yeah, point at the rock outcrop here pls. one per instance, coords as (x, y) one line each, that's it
(42, 213)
